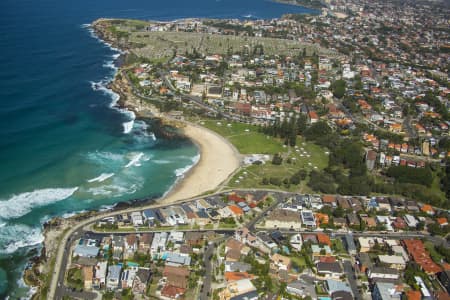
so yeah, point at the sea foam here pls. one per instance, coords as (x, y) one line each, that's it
(17, 236)
(128, 126)
(181, 171)
(101, 178)
(20, 205)
(135, 160)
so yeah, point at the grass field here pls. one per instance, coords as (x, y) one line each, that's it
(248, 140)
(251, 176)
(244, 137)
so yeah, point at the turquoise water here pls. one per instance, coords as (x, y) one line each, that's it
(64, 147)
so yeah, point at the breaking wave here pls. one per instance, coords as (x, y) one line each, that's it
(15, 237)
(102, 177)
(20, 205)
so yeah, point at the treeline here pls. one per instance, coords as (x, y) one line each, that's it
(404, 174)
(288, 129)
(346, 172)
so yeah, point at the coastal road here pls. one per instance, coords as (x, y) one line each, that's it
(62, 290)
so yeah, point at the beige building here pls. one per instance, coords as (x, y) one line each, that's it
(283, 218)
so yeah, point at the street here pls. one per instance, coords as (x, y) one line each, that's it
(351, 276)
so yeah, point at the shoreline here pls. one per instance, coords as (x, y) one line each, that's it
(214, 150)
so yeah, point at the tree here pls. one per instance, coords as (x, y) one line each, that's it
(338, 87)
(317, 130)
(277, 159)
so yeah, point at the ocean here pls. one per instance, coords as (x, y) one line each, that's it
(64, 147)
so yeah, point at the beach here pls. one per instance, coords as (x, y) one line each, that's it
(218, 157)
(218, 160)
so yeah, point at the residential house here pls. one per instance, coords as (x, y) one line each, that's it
(383, 273)
(332, 286)
(301, 289)
(244, 235)
(136, 218)
(113, 278)
(130, 245)
(127, 277)
(234, 276)
(202, 217)
(236, 266)
(442, 222)
(149, 216)
(386, 222)
(236, 211)
(353, 219)
(350, 244)
(141, 281)
(86, 250)
(329, 269)
(411, 221)
(283, 218)
(343, 203)
(392, 261)
(385, 291)
(364, 262)
(194, 238)
(370, 222)
(296, 242)
(323, 239)
(233, 250)
(384, 204)
(145, 241)
(177, 259)
(329, 200)
(428, 209)
(235, 289)
(117, 244)
(416, 250)
(172, 292)
(280, 262)
(308, 218)
(176, 238)
(159, 242)
(176, 276)
(365, 244)
(399, 224)
(342, 295)
(99, 280)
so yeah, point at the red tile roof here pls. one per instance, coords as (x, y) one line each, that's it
(413, 295)
(323, 238)
(416, 249)
(236, 210)
(171, 291)
(234, 276)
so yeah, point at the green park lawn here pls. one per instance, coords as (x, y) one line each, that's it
(247, 140)
(251, 176)
(245, 137)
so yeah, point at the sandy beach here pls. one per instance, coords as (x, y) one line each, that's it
(218, 157)
(218, 160)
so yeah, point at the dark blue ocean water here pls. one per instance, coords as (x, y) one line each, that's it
(63, 148)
